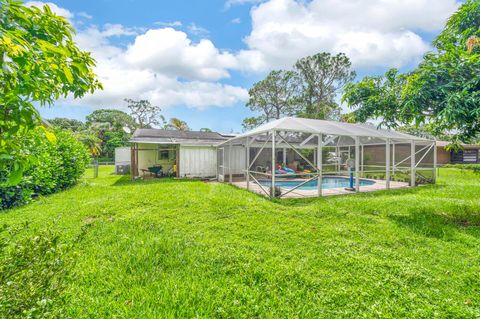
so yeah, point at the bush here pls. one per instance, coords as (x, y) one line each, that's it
(474, 167)
(33, 271)
(54, 165)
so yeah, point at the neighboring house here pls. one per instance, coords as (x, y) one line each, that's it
(184, 153)
(468, 155)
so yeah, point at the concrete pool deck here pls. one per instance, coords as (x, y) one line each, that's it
(300, 193)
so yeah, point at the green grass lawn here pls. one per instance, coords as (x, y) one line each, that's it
(160, 249)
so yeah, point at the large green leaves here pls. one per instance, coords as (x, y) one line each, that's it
(39, 63)
(443, 91)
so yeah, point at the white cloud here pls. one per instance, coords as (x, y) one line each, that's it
(236, 21)
(85, 15)
(56, 9)
(171, 52)
(373, 33)
(230, 3)
(197, 30)
(162, 65)
(169, 24)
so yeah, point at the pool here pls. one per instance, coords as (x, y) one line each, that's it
(327, 183)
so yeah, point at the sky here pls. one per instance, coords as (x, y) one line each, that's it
(197, 59)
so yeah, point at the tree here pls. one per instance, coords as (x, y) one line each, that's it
(67, 124)
(91, 142)
(443, 91)
(39, 63)
(177, 124)
(116, 120)
(112, 140)
(145, 114)
(274, 97)
(322, 77)
(205, 129)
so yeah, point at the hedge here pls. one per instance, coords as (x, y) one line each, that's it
(54, 166)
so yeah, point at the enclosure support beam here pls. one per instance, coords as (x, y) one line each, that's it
(230, 162)
(319, 163)
(361, 158)
(387, 164)
(435, 162)
(223, 164)
(247, 163)
(357, 164)
(337, 156)
(412, 163)
(393, 158)
(285, 155)
(272, 189)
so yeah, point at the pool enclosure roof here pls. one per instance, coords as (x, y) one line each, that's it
(312, 126)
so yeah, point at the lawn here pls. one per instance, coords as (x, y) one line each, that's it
(110, 247)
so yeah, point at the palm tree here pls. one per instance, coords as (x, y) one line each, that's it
(178, 124)
(92, 142)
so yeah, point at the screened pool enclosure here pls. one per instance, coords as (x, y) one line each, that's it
(296, 157)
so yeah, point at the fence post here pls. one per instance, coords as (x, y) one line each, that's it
(95, 168)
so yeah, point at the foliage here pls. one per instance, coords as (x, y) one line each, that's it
(92, 142)
(443, 91)
(473, 167)
(145, 114)
(273, 97)
(323, 76)
(115, 120)
(67, 124)
(114, 140)
(310, 90)
(205, 129)
(409, 253)
(177, 124)
(39, 63)
(55, 165)
(32, 271)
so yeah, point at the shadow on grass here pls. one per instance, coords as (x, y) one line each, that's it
(127, 181)
(429, 222)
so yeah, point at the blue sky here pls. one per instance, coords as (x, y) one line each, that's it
(197, 59)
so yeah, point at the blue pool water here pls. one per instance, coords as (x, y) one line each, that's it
(327, 182)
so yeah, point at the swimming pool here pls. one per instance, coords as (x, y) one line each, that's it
(327, 183)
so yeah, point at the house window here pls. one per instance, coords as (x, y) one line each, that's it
(163, 154)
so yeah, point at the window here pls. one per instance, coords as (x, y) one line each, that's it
(164, 155)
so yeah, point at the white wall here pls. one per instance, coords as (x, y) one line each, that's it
(122, 156)
(198, 161)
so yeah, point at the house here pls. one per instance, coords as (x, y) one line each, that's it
(468, 155)
(182, 153)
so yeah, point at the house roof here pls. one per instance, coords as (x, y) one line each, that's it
(465, 146)
(160, 136)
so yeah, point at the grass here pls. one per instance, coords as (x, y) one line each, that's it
(165, 249)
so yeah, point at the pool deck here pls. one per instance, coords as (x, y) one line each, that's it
(300, 193)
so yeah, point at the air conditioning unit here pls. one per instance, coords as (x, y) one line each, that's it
(122, 169)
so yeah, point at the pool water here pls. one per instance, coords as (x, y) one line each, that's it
(327, 182)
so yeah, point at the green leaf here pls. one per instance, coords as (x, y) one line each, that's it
(15, 176)
(68, 75)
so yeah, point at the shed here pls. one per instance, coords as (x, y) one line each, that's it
(191, 154)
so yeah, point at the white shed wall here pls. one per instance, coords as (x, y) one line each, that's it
(198, 161)
(122, 156)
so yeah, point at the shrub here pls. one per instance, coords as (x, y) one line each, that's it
(55, 164)
(34, 269)
(474, 167)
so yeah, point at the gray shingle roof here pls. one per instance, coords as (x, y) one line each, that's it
(178, 137)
